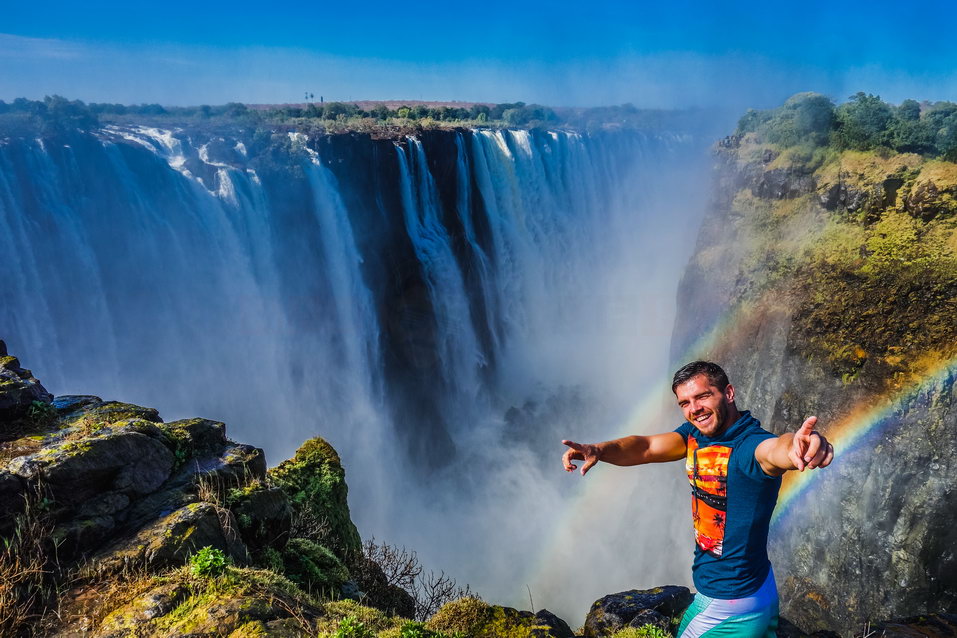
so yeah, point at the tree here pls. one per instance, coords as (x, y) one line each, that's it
(864, 122)
(909, 111)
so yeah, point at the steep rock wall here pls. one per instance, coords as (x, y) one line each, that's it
(839, 307)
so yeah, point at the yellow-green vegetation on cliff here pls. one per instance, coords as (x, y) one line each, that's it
(863, 243)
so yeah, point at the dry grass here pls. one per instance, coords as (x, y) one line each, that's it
(27, 567)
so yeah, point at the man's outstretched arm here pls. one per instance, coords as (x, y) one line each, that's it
(630, 450)
(805, 449)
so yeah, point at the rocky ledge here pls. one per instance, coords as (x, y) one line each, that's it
(115, 523)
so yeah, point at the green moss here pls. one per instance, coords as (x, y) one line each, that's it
(250, 595)
(373, 619)
(313, 567)
(314, 481)
(473, 617)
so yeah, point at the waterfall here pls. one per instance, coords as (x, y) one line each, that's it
(443, 308)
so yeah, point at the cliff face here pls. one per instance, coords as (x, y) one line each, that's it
(826, 283)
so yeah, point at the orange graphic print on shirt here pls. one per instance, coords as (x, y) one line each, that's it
(708, 474)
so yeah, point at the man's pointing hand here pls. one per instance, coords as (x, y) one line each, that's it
(809, 448)
(580, 452)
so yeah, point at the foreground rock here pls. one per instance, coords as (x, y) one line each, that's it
(636, 608)
(106, 494)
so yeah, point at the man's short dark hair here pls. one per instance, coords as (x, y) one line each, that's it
(716, 376)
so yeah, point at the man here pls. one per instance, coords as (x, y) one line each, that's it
(735, 468)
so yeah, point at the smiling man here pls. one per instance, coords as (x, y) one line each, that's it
(735, 468)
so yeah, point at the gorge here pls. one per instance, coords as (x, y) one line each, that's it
(445, 307)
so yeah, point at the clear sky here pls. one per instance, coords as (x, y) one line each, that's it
(652, 54)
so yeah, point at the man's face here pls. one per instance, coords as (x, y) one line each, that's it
(704, 405)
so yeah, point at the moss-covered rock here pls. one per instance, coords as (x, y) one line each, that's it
(90, 416)
(126, 457)
(170, 540)
(195, 437)
(314, 480)
(242, 602)
(473, 617)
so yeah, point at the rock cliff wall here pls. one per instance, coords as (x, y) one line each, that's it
(826, 285)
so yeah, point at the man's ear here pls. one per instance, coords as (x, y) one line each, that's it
(729, 393)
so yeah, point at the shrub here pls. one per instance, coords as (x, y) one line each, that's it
(313, 567)
(645, 631)
(208, 562)
(466, 616)
(395, 581)
(352, 627)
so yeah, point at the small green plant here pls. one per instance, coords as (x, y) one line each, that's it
(645, 631)
(352, 627)
(416, 629)
(207, 562)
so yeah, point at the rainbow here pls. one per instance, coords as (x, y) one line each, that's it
(850, 432)
(732, 328)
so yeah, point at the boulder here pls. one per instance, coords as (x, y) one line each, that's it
(615, 611)
(89, 414)
(172, 539)
(200, 436)
(927, 200)
(472, 616)
(557, 628)
(127, 457)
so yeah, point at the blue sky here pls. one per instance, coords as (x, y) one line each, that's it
(561, 53)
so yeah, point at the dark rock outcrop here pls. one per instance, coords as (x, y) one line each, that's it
(929, 626)
(557, 628)
(642, 606)
(18, 390)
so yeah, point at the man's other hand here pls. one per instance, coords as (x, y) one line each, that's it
(809, 448)
(580, 452)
